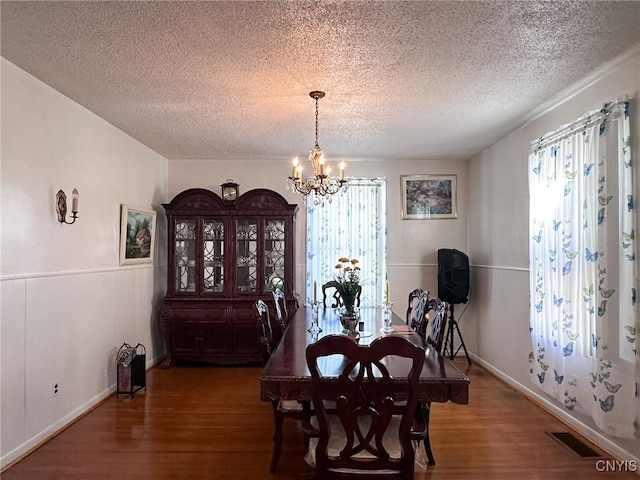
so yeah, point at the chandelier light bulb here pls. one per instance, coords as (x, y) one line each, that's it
(296, 164)
(74, 200)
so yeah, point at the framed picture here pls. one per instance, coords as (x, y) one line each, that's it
(137, 235)
(428, 196)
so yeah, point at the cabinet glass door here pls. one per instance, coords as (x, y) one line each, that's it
(213, 251)
(185, 256)
(274, 254)
(247, 255)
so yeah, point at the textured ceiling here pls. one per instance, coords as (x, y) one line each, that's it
(411, 80)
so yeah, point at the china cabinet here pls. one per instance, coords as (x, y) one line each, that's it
(223, 255)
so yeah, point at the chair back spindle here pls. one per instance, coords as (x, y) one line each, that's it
(281, 308)
(265, 330)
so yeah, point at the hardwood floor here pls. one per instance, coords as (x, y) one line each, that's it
(202, 422)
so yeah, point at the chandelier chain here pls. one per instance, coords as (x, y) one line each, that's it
(317, 146)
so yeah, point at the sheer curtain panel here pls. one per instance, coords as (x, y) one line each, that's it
(353, 225)
(583, 313)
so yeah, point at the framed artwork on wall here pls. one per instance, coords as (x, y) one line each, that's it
(426, 197)
(137, 235)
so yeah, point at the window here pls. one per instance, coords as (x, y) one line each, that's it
(583, 314)
(352, 225)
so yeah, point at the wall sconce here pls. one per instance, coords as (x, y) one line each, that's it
(61, 206)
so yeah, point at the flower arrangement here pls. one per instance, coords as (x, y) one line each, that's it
(348, 280)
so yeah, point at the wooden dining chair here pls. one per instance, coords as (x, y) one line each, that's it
(281, 408)
(437, 314)
(416, 311)
(337, 299)
(366, 436)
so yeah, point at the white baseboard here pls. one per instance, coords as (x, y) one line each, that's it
(52, 430)
(594, 436)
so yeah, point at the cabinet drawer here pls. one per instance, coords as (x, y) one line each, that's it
(199, 314)
(244, 315)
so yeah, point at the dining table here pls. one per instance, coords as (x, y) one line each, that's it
(286, 376)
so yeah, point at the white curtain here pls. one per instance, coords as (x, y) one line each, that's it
(583, 314)
(353, 225)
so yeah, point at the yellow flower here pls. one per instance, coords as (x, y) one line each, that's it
(348, 274)
(348, 280)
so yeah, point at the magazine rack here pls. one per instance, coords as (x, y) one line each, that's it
(132, 374)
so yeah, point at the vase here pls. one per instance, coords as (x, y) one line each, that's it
(349, 318)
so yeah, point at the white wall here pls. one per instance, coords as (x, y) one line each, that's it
(497, 322)
(411, 244)
(66, 305)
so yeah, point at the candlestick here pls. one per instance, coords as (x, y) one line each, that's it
(388, 292)
(388, 318)
(314, 329)
(315, 291)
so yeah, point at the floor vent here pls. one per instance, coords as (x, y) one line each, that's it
(573, 443)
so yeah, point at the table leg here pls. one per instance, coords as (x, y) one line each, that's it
(278, 420)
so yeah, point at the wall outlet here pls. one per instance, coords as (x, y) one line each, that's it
(55, 389)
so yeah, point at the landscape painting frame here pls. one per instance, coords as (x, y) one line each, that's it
(137, 234)
(429, 197)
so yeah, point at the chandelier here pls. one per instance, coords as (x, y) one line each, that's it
(321, 183)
